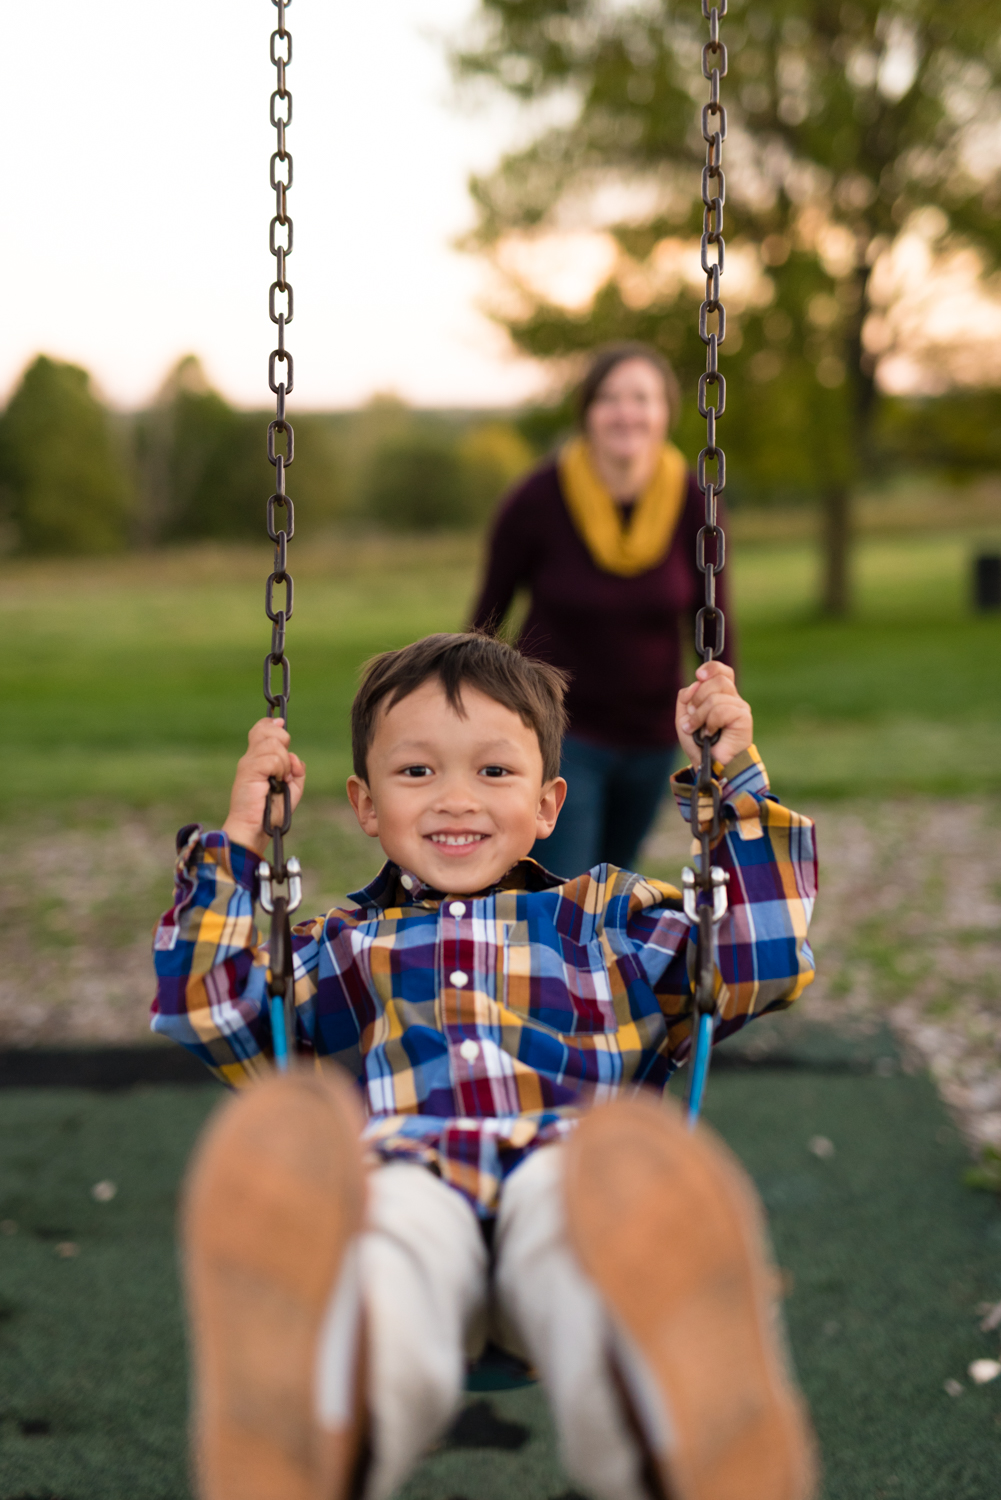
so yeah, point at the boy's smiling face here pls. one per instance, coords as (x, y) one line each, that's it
(455, 798)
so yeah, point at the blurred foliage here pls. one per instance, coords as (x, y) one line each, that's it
(433, 481)
(203, 467)
(190, 467)
(958, 435)
(415, 484)
(493, 457)
(65, 484)
(544, 427)
(846, 119)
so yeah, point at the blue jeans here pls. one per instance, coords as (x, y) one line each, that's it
(612, 800)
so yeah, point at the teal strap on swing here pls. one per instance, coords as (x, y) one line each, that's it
(699, 1066)
(279, 1033)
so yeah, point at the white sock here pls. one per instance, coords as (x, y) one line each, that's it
(337, 1348)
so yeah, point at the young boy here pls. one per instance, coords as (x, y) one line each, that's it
(516, 1184)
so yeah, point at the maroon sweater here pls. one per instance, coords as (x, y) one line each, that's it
(621, 639)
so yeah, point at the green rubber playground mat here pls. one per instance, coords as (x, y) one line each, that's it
(886, 1258)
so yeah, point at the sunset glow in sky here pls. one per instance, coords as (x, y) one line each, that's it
(141, 208)
(142, 142)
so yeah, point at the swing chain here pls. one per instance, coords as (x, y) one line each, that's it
(705, 888)
(280, 530)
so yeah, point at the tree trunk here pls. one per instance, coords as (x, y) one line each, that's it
(837, 550)
(838, 532)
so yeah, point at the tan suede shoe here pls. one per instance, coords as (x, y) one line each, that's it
(667, 1224)
(274, 1194)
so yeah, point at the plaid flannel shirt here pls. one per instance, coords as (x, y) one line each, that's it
(478, 1027)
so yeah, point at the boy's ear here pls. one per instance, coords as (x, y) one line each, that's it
(551, 800)
(361, 800)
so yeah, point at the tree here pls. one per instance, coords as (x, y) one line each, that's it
(204, 468)
(849, 123)
(494, 455)
(417, 483)
(958, 435)
(66, 486)
(434, 476)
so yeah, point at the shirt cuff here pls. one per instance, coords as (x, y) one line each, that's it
(217, 848)
(743, 785)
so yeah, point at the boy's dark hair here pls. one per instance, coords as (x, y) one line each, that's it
(604, 361)
(531, 689)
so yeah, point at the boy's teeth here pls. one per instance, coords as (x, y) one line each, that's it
(456, 838)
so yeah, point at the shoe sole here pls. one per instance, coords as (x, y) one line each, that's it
(666, 1223)
(273, 1196)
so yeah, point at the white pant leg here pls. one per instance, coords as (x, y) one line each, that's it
(548, 1307)
(422, 1266)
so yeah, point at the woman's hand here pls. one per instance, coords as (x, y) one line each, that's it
(712, 702)
(268, 755)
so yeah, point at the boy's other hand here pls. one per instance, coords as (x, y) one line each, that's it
(268, 755)
(712, 702)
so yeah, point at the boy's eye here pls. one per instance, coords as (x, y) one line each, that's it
(494, 771)
(416, 771)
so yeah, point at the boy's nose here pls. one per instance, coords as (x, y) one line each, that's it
(456, 798)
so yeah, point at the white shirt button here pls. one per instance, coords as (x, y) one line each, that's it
(459, 979)
(407, 882)
(456, 909)
(470, 1051)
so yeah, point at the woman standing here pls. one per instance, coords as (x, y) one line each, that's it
(603, 538)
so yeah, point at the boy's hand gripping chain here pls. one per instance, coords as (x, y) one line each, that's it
(705, 888)
(278, 871)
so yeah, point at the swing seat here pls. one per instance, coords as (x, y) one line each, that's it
(497, 1370)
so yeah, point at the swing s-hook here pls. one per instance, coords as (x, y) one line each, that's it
(293, 873)
(690, 889)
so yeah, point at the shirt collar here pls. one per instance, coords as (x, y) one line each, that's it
(395, 887)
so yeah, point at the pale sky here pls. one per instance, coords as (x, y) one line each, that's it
(138, 147)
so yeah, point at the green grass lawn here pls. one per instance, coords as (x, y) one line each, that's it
(134, 680)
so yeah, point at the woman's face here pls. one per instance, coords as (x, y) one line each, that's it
(629, 415)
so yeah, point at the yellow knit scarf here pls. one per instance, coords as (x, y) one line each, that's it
(643, 542)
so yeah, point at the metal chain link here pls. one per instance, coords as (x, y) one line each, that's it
(281, 160)
(279, 869)
(705, 888)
